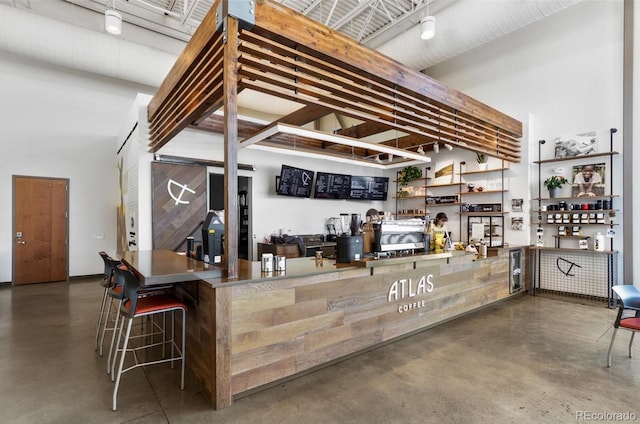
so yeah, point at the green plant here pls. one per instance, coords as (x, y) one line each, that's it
(555, 181)
(408, 174)
(481, 158)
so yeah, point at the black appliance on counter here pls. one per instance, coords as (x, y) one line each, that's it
(213, 238)
(349, 248)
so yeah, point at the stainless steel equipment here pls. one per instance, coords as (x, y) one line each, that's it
(399, 235)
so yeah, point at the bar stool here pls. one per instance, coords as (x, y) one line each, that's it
(107, 284)
(629, 301)
(135, 305)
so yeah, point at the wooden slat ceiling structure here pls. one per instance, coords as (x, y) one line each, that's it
(290, 56)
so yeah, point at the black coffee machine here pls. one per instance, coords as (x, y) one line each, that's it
(350, 247)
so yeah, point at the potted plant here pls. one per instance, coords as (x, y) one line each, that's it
(482, 159)
(554, 184)
(612, 217)
(408, 174)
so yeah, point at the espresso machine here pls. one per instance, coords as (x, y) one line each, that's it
(396, 235)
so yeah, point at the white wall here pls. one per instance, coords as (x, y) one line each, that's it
(566, 71)
(56, 123)
(271, 212)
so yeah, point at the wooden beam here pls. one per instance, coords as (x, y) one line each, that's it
(312, 36)
(231, 147)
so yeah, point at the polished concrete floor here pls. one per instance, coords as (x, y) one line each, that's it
(528, 359)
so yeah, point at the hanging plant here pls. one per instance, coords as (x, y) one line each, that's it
(408, 174)
(481, 158)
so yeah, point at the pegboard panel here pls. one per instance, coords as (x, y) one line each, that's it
(587, 274)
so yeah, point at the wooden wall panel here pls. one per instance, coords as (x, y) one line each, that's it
(283, 327)
(173, 223)
(350, 315)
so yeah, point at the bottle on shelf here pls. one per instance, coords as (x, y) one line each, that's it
(598, 244)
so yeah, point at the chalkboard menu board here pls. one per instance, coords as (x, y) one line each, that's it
(369, 188)
(332, 186)
(295, 182)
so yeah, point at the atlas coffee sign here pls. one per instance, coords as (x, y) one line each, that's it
(408, 291)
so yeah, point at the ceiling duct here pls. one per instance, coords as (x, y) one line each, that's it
(465, 25)
(48, 40)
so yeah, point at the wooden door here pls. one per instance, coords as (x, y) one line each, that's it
(40, 230)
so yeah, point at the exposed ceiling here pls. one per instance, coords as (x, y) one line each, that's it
(370, 22)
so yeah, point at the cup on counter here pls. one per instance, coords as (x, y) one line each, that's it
(319, 258)
(280, 263)
(267, 262)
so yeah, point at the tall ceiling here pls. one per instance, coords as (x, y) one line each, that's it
(370, 22)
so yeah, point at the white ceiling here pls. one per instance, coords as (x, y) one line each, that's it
(371, 22)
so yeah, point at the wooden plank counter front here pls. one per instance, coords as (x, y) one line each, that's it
(248, 333)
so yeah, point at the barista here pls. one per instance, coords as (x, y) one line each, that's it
(439, 232)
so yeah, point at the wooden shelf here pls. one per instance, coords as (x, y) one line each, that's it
(571, 224)
(572, 211)
(443, 204)
(482, 192)
(564, 249)
(442, 185)
(610, 196)
(417, 179)
(485, 171)
(571, 237)
(484, 213)
(579, 157)
(409, 197)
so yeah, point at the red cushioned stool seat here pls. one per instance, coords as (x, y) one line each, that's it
(629, 301)
(140, 303)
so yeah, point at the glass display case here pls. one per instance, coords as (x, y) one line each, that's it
(488, 229)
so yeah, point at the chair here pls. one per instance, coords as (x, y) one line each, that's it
(107, 284)
(630, 301)
(136, 305)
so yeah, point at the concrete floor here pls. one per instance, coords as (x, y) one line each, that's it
(528, 359)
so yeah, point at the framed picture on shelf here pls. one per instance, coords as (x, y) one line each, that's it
(516, 205)
(517, 224)
(588, 180)
(444, 172)
(576, 145)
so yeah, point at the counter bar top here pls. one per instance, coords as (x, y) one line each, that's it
(163, 266)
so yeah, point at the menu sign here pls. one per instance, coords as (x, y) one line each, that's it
(369, 188)
(295, 182)
(332, 186)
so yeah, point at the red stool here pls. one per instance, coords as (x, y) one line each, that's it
(135, 305)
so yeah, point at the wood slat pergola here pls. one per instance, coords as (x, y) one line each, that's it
(274, 50)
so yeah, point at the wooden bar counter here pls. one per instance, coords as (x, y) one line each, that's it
(259, 329)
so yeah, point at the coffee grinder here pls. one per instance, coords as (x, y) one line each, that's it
(350, 246)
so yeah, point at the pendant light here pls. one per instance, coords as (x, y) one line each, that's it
(112, 19)
(428, 25)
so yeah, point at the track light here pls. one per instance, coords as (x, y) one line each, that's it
(427, 27)
(390, 158)
(420, 150)
(436, 148)
(112, 19)
(377, 159)
(448, 146)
